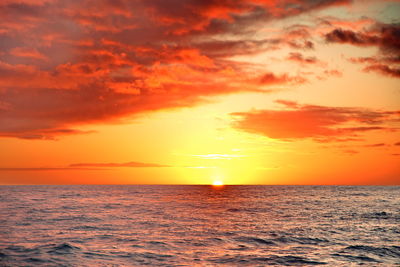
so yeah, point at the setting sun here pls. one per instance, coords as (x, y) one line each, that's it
(217, 183)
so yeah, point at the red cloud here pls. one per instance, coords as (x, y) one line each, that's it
(27, 52)
(270, 79)
(69, 63)
(308, 121)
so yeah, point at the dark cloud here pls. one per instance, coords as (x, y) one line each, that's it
(351, 37)
(384, 69)
(384, 36)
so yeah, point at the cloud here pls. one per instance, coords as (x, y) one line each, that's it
(131, 164)
(385, 65)
(85, 62)
(46, 169)
(43, 134)
(219, 156)
(384, 69)
(384, 36)
(88, 166)
(335, 73)
(351, 37)
(298, 121)
(299, 58)
(27, 52)
(375, 60)
(353, 25)
(270, 78)
(350, 151)
(376, 145)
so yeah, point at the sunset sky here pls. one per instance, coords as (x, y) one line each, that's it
(193, 91)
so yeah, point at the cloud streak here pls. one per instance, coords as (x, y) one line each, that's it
(89, 166)
(131, 164)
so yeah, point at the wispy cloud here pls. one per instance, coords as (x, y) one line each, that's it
(46, 169)
(88, 166)
(219, 156)
(131, 164)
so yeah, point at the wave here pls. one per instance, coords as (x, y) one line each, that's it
(255, 240)
(301, 240)
(391, 251)
(64, 248)
(356, 259)
(271, 260)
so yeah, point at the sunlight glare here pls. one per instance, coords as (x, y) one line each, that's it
(217, 183)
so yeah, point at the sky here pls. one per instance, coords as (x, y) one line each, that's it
(194, 91)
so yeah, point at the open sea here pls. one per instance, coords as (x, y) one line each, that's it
(136, 225)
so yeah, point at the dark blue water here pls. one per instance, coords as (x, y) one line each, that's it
(199, 226)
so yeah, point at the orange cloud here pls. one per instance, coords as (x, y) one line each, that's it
(311, 121)
(27, 52)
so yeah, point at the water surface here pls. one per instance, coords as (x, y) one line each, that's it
(199, 226)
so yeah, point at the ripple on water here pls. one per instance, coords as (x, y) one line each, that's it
(255, 241)
(64, 248)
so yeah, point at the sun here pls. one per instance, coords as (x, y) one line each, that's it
(217, 183)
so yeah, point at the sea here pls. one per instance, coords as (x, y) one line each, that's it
(199, 225)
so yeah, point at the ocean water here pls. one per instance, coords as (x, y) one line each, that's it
(199, 226)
